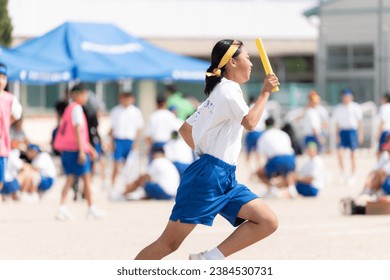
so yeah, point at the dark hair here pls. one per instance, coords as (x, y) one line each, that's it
(217, 53)
(386, 96)
(269, 122)
(171, 88)
(126, 94)
(77, 88)
(160, 100)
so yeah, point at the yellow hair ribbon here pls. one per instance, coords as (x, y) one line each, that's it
(224, 60)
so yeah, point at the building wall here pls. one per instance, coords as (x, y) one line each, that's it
(355, 26)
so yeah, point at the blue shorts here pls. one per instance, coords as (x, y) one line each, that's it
(382, 139)
(251, 140)
(122, 149)
(153, 190)
(72, 167)
(386, 186)
(349, 139)
(45, 184)
(312, 138)
(99, 150)
(10, 187)
(208, 188)
(3, 163)
(181, 167)
(280, 165)
(306, 189)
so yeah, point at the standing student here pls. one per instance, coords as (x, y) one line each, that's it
(126, 122)
(209, 185)
(10, 110)
(348, 117)
(162, 123)
(72, 141)
(312, 123)
(384, 121)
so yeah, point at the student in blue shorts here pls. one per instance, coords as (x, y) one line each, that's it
(349, 121)
(209, 185)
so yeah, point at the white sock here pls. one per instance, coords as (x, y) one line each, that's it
(214, 254)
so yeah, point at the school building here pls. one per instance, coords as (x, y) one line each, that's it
(353, 48)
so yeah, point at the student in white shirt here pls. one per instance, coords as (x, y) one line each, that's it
(312, 122)
(209, 186)
(179, 153)
(161, 124)
(275, 144)
(14, 166)
(126, 123)
(384, 121)
(310, 178)
(41, 176)
(161, 180)
(349, 121)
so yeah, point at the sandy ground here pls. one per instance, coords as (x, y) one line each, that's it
(309, 228)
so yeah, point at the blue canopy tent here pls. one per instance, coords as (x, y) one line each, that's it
(34, 69)
(102, 52)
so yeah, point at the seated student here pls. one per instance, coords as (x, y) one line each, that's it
(14, 166)
(275, 144)
(41, 175)
(161, 180)
(310, 177)
(179, 153)
(378, 181)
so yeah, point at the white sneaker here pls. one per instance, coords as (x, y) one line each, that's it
(197, 257)
(116, 196)
(63, 214)
(292, 191)
(95, 213)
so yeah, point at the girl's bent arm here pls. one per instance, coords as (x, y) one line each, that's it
(186, 132)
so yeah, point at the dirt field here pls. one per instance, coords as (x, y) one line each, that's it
(309, 228)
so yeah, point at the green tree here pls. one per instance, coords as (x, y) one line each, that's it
(5, 24)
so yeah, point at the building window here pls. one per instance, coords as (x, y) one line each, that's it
(363, 57)
(337, 58)
(351, 57)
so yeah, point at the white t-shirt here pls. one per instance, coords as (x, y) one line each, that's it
(311, 121)
(161, 125)
(126, 121)
(384, 163)
(77, 115)
(177, 150)
(324, 115)
(164, 173)
(314, 167)
(384, 116)
(275, 142)
(16, 108)
(14, 164)
(348, 116)
(45, 165)
(216, 125)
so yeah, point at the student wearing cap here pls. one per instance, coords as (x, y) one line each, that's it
(162, 123)
(72, 140)
(126, 122)
(41, 175)
(384, 121)
(209, 185)
(349, 121)
(10, 110)
(310, 177)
